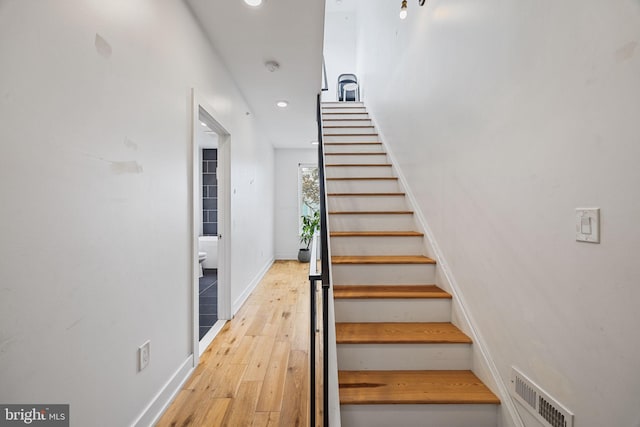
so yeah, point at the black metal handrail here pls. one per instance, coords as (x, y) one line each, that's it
(323, 277)
(325, 84)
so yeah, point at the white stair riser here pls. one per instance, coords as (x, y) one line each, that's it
(360, 110)
(343, 159)
(351, 121)
(348, 131)
(328, 115)
(358, 171)
(390, 356)
(363, 186)
(419, 415)
(367, 203)
(372, 222)
(353, 148)
(383, 274)
(374, 245)
(341, 103)
(393, 310)
(351, 138)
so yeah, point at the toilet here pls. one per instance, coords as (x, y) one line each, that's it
(201, 257)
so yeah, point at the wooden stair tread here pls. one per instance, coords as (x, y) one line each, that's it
(352, 143)
(388, 291)
(349, 127)
(343, 120)
(413, 387)
(382, 259)
(350, 134)
(368, 165)
(371, 178)
(366, 194)
(403, 333)
(366, 153)
(370, 213)
(376, 234)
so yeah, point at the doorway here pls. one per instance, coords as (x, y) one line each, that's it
(210, 225)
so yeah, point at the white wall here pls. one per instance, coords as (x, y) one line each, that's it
(94, 178)
(287, 234)
(339, 48)
(505, 117)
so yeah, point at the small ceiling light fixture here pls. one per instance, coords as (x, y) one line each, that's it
(282, 104)
(253, 3)
(314, 143)
(403, 8)
(203, 124)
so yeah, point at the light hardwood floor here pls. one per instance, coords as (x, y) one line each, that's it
(256, 371)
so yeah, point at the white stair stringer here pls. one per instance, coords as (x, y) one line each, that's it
(383, 226)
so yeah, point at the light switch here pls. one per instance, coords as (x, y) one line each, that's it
(588, 225)
(585, 225)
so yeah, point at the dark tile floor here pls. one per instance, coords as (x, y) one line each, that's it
(208, 300)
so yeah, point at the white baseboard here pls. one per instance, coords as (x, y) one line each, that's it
(513, 418)
(250, 287)
(165, 396)
(287, 255)
(209, 336)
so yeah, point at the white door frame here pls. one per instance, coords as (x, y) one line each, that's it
(224, 225)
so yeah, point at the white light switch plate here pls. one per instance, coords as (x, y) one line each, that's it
(588, 225)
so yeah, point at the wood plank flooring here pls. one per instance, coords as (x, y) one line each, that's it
(256, 371)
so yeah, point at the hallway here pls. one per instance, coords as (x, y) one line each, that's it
(257, 358)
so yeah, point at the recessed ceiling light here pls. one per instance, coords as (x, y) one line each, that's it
(253, 3)
(282, 104)
(203, 124)
(314, 143)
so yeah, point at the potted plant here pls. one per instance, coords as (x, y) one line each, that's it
(310, 223)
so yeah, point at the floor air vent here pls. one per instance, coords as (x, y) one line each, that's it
(545, 408)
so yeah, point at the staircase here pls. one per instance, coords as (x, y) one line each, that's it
(401, 361)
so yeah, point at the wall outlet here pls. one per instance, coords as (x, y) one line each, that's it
(143, 355)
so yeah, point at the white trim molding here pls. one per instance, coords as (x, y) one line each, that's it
(161, 401)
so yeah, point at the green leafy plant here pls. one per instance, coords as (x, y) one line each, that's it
(310, 223)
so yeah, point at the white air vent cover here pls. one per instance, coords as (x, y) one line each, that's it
(544, 407)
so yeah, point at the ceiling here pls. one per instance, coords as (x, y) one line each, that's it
(289, 32)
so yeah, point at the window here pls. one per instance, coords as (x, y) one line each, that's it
(308, 190)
